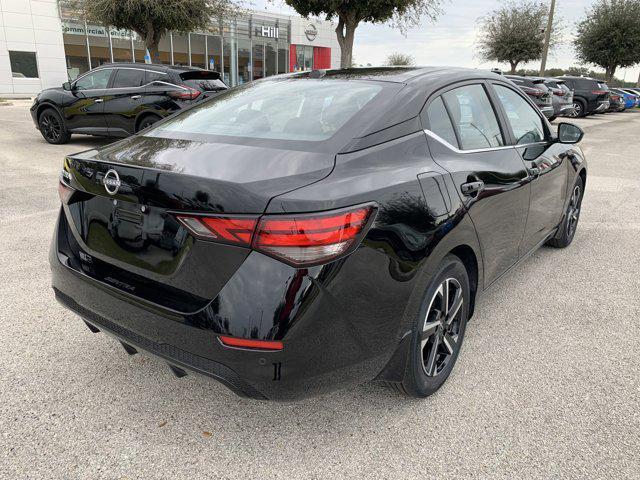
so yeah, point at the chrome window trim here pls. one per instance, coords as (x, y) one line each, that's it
(478, 150)
(124, 88)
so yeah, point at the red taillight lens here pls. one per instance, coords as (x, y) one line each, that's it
(249, 343)
(300, 240)
(187, 93)
(235, 230)
(311, 239)
(599, 92)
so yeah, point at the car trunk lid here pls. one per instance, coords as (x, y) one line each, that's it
(122, 228)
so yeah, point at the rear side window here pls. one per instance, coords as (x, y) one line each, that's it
(440, 123)
(525, 122)
(295, 109)
(151, 76)
(203, 80)
(128, 78)
(473, 117)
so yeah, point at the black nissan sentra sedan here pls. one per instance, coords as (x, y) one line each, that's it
(315, 230)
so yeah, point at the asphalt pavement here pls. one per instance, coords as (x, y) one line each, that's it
(547, 384)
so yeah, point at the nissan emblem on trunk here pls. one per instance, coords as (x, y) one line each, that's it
(111, 182)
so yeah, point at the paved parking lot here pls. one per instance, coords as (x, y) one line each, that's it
(547, 384)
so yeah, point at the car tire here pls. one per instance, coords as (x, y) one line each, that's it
(52, 127)
(427, 369)
(567, 229)
(580, 106)
(146, 121)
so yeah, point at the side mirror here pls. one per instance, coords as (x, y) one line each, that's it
(66, 86)
(569, 133)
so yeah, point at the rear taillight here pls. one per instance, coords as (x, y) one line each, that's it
(300, 240)
(599, 92)
(560, 93)
(311, 239)
(65, 191)
(235, 230)
(187, 93)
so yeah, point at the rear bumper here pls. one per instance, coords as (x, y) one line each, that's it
(602, 106)
(334, 334)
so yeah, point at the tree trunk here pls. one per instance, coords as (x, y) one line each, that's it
(151, 39)
(610, 72)
(345, 31)
(638, 82)
(514, 65)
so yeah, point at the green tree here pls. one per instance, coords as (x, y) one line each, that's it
(514, 33)
(398, 58)
(402, 14)
(609, 36)
(151, 19)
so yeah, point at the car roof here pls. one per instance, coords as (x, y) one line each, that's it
(397, 74)
(151, 66)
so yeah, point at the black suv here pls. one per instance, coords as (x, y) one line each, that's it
(589, 95)
(120, 99)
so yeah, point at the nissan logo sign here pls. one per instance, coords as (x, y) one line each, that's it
(311, 32)
(111, 182)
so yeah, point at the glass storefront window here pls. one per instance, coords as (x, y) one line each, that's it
(244, 61)
(283, 59)
(271, 58)
(180, 49)
(121, 46)
(99, 48)
(164, 51)
(214, 53)
(198, 58)
(258, 60)
(75, 49)
(140, 48)
(304, 57)
(242, 49)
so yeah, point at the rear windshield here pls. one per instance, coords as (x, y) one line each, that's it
(203, 80)
(309, 110)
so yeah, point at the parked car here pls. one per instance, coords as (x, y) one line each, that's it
(589, 95)
(120, 99)
(537, 90)
(630, 101)
(616, 102)
(562, 98)
(634, 93)
(318, 229)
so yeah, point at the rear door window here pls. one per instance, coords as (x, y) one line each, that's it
(525, 122)
(440, 122)
(151, 76)
(473, 117)
(128, 78)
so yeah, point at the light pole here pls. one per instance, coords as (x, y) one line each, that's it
(547, 39)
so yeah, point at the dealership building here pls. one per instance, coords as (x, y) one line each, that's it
(44, 43)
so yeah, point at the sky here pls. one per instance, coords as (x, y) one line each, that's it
(450, 40)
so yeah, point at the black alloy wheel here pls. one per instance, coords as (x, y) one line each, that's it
(573, 211)
(441, 329)
(52, 127)
(438, 330)
(567, 229)
(147, 122)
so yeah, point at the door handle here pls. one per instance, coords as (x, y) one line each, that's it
(135, 97)
(470, 188)
(98, 100)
